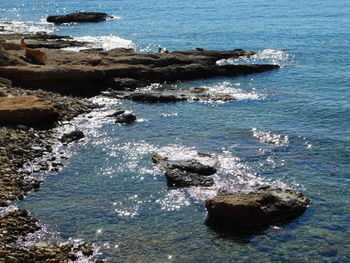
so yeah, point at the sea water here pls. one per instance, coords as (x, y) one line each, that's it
(288, 128)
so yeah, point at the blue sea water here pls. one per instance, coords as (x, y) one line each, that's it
(289, 127)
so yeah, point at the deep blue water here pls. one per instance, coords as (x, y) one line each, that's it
(289, 127)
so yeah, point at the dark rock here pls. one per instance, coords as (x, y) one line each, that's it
(125, 118)
(256, 209)
(5, 82)
(72, 136)
(153, 98)
(180, 178)
(192, 166)
(78, 17)
(185, 174)
(116, 113)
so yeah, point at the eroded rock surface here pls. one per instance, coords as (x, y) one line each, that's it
(256, 209)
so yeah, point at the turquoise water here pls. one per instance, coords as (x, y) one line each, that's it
(289, 127)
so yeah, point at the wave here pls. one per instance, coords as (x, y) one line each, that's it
(104, 42)
(16, 26)
(266, 56)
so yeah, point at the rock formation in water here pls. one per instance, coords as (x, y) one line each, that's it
(78, 17)
(256, 209)
(185, 174)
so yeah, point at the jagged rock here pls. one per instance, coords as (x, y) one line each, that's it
(256, 209)
(78, 17)
(27, 110)
(72, 136)
(125, 118)
(185, 174)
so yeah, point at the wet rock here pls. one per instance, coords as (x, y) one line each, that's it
(125, 118)
(180, 178)
(72, 136)
(256, 209)
(28, 110)
(116, 113)
(185, 174)
(78, 17)
(153, 98)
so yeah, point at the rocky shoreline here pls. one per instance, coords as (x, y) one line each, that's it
(32, 102)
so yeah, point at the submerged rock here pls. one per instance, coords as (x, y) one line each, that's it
(185, 174)
(78, 17)
(256, 209)
(72, 136)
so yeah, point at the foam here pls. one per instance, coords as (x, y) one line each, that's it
(104, 42)
(266, 56)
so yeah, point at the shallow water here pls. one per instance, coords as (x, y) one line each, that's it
(289, 127)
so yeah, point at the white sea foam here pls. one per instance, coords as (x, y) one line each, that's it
(266, 56)
(233, 90)
(25, 27)
(104, 42)
(271, 138)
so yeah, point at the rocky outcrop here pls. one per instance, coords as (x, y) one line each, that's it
(28, 110)
(185, 174)
(78, 17)
(72, 137)
(256, 209)
(88, 72)
(168, 95)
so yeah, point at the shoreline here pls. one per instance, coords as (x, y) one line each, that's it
(84, 73)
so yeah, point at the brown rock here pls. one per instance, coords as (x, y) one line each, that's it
(28, 110)
(256, 209)
(36, 56)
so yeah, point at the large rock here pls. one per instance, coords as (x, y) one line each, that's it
(256, 209)
(78, 17)
(185, 174)
(28, 110)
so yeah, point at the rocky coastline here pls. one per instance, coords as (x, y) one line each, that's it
(33, 100)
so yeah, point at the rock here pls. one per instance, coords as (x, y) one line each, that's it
(89, 72)
(125, 118)
(156, 159)
(5, 82)
(180, 178)
(116, 113)
(153, 98)
(10, 259)
(78, 17)
(192, 166)
(72, 136)
(35, 56)
(256, 209)
(185, 174)
(27, 110)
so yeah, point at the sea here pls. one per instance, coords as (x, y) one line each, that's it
(287, 128)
